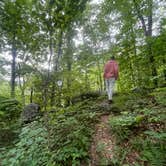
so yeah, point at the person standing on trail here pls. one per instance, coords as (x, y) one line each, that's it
(110, 75)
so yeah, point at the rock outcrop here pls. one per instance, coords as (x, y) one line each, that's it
(30, 113)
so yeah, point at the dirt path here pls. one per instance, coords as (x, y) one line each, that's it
(102, 145)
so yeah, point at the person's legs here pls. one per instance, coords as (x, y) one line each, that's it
(111, 87)
(107, 83)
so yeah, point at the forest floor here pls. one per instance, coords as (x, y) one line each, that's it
(103, 142)
(91, 132)
(103, 145)
(130, 131)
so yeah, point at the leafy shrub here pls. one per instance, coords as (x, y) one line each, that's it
(123, 125)
(9, 113)
(71, 136)
(128, 101)
(152, 147)
(154, 155)
(153, 115)
(31, 150)
(9, 109)
(67, 142)
(160, 95)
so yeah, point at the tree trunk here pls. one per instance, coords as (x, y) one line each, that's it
(59, 51)
(56, 62)
(45, 92)
(148, 34)
(47, 79)
(22, 87)
(23, 93)
(69, 60)
(87, 85)
(31, 95)
(132, 73)
(149, 45)
(152, 62)
(99, 75)
(13, 70)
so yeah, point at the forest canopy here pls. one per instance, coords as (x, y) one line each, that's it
(43, 42)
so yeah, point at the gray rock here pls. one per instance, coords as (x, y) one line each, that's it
(30, 113)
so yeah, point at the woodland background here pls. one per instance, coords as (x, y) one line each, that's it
(52, 52)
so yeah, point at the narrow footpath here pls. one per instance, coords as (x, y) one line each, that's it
(103, 144)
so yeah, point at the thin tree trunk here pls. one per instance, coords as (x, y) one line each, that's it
(148, 34)
(23, 92)
(59, 52)
(47, 80)
(22, 88)
(137, 75)
(87, 86)
(56, 62)
(132, 73)
(140, 16)
(31, 95)
(99, 75)
(13, 70)
(69, 60)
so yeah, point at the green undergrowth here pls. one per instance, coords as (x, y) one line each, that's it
(60, 138)
(30, 150)
(71, 136)
(140, 129)
(9, 113)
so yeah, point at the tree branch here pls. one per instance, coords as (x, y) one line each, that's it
(140, 16)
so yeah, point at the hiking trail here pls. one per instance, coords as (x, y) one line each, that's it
(102, 144)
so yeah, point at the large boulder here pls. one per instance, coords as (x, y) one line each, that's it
(30, 113)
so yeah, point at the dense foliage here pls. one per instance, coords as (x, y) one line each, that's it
(52, 53)
(60, 138)
(63, 137)
(141, 130)
(10, 110)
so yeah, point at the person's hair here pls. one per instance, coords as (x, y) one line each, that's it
(112, 58)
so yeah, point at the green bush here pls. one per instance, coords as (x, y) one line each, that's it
(31, 150)
(160, 96)
(10, 109)
(122, 126)
(71, 136)
(151, 147)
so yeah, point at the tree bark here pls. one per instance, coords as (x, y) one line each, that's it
(148, 34)
(31, 95)
(22, 86)
(140, 16)
(56, 62)
(13, 70)
(99, 75)
(69, 60)
(149, 45)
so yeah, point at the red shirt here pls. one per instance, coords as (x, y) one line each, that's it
(111, 69)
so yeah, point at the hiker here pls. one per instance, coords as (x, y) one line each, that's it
(110, 76)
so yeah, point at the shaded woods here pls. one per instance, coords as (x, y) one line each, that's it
(52, 53)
